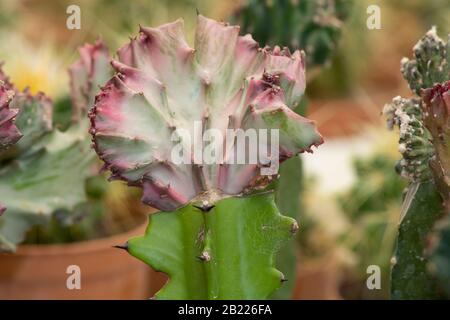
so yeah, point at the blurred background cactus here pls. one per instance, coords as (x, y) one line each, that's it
(313, 26)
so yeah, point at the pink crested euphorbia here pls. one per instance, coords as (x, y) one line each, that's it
(86, 74)
(9, 134)
(225, 82)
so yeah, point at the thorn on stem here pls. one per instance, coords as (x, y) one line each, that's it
(204, 256)
(123, 246)
(205, 208)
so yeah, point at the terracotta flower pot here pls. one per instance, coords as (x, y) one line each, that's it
(317, 280)
(40, 271)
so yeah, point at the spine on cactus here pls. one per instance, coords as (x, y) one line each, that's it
(422, 247)
(164, 96)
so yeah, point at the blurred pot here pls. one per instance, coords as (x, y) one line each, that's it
(318, 280)
(40, 271)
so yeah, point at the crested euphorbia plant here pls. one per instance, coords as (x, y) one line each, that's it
(421, 264)
(43, 175)
(219, 233)
(9, 133)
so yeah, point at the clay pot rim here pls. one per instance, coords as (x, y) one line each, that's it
(85, 246)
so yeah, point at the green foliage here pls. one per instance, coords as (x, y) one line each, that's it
(376, 187)
(371, 206)
(227, 252)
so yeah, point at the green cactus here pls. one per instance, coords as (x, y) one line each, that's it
(220, 235)
(45, 172)
(422, 255)
(193, 247)
(314, 26)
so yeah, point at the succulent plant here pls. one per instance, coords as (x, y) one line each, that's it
(315, 26)
(87, 74)
(422, 255)
(45, 172)
(9, 134)
(218, 231)
(163, 85)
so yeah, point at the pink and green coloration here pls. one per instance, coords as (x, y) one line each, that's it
(217, 241)
(163, 84)
(45, 172)
(9, 133)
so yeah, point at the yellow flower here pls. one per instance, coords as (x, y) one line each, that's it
(38, 68)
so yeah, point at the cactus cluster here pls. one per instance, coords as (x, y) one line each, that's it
(314, 26)
(45, 172)
(226, 228)
(414, 143)
(422, 255)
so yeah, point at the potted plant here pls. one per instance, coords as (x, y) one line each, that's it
(55, 205)
(218, 228)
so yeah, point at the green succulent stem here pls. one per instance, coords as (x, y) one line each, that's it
(224, 252)
(421, 209)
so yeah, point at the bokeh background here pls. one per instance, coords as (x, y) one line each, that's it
(351, 201)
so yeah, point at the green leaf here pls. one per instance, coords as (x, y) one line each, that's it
(410, 278)
(225, 253)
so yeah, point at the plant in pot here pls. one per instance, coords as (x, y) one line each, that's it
(316, 27)
(219, 227)
(422, 258)
(54, 196)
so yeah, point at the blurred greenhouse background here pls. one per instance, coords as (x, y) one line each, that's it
(350, 205)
